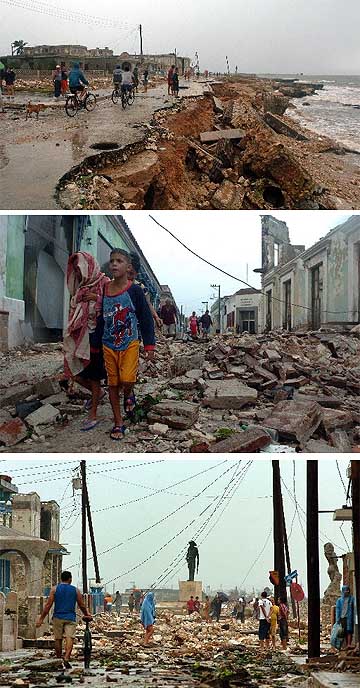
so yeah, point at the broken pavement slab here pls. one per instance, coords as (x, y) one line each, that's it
(12, 432)
(180, 415)
(281, 127)
(247, 441)
(295, 420)
(228, 394)
(229, 134)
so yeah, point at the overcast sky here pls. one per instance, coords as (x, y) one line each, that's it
(230, 240)
(320, 37)
(231, 541)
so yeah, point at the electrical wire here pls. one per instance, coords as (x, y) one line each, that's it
(258, 557)
(341, 478)
(238, 279)
(68, 15)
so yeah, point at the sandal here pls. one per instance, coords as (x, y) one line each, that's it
(118, 430)
(88, 402)
(130, 404)
(89, 424)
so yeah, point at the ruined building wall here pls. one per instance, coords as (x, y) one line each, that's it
(337, 280)
(26, 514)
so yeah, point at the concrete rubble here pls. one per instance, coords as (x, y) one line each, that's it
(233, 147)
(184, 651)
(272, 392)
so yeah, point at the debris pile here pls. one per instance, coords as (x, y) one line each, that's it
(232, 148)
(272, 392)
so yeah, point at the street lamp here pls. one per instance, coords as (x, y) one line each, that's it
(217, 286)
(205, 303)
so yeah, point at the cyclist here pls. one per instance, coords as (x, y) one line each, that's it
(77, 81)
(127, 81)
(117, 77)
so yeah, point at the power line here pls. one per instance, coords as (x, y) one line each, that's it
(68, 15)
(258, 556)
(238, 279)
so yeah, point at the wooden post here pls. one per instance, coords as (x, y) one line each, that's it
(278, 532)
(312, 552)
(83, 527)
(355, 479)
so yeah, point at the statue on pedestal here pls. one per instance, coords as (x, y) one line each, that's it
(332, 592)
(193, 559)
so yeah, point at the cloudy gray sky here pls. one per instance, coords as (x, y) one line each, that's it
(234, 540)
(259, 36)
(231, 240)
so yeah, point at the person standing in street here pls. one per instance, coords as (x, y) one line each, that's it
(345, 614)
(283, 622)
(10, 77)
(118, 602)
(131, 602)
(190, 605)
(148, 616)
(65, 597)
(216, 605)
(175, 82)
(57, 81)
(197, 605)
(206, 609)
(64, 79)
(274, 618)
(168, 317)
(170, 80)
(193, 322)
(264, 615)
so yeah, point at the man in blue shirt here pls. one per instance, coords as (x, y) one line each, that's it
(65, 596)
(77, 80)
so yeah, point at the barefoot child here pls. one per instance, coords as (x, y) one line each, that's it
(84, 361)
(125, 309)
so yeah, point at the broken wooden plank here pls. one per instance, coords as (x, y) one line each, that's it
(231, 134)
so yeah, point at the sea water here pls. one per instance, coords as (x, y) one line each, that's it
(333, 111)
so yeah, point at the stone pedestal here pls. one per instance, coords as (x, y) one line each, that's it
(188, 588)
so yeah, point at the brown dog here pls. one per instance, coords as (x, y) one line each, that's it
(34, 107)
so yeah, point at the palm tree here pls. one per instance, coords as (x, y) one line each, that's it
(17, 47)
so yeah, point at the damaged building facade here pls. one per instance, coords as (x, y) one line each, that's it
(30, 552)
(312, 288)
(34, 252)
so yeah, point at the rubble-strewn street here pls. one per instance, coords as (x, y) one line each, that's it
(185, 651)
(271, 392)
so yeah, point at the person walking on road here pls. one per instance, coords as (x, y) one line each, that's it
(190, 605)
(175, 82)
(206, 323)
(216, 605)
(66, 597)
(57, 81)
(148, 616)
(170, 80)
(131, 602)
(283, 622)
(193, 322)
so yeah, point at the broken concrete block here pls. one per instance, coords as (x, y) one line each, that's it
(180, 415)
(46, 387)
(159, 428)
(183, 382)
(277, 124)
(12, 432)
(319, 447)
(230, 134)
(228, 196)
(15, 393)
(340, 441)
(43, 416)
(194, 374)
(295, 420)
(228, 394)
(334, 418)
(181, 364)
(247, 441)
(55, 399)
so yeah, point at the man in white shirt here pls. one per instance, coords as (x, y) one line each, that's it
(264, 610)
(127, 81)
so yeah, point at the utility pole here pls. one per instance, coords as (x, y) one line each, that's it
(355, 482)
(141, 43)
(228, 66)
(92, 536)
(218, 287)
(181, 320)
(278, 532)
(83, 526)
(312, 552)
(175, 57)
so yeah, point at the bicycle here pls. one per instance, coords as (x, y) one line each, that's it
(87, 643)
(127, 96)
(73, 103)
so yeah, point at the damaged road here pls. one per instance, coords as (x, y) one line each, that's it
(36, 153)
(234, 148)
(274, 392)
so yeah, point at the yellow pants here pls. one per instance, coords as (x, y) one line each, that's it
(122, 366)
